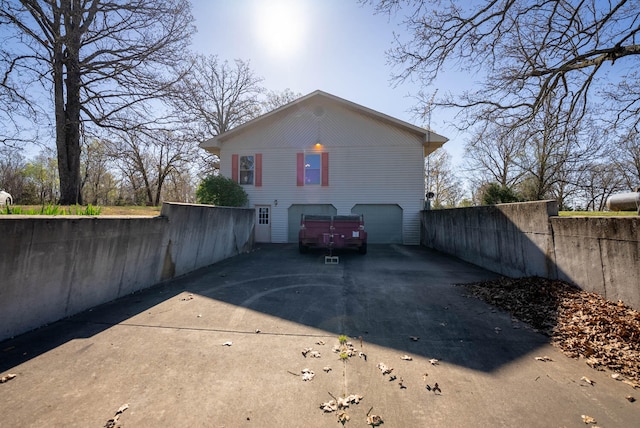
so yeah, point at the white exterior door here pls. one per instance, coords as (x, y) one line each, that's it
(263, 223)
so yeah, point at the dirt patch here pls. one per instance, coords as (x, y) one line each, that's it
(130, 210)
(583, 325)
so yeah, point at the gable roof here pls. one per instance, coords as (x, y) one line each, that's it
(430, 140)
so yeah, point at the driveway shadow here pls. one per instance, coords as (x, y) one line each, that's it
(388, 297)
(398, 297)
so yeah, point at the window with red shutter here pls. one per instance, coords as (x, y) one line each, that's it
(312, 169)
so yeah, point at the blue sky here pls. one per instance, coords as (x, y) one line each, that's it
(337, 46)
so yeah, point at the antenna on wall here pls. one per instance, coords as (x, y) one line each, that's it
(429, 195)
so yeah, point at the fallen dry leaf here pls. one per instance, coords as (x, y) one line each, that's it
(343, 417)
(329, 406)
(7, 378)
(384, 368)
(406, 358)
(307, 374)
(350, 399)
(545, 358)
(111, 423)
(631, 384)
(340, 403)
(587, 380)
(436, 388)
(433, 362)
(227, 343)
(374, 420)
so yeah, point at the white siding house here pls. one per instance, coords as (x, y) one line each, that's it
(324, 154)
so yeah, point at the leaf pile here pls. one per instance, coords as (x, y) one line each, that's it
(582, 324)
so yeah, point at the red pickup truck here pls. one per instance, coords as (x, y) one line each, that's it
(331, 232)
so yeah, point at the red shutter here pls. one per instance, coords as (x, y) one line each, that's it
(300, 169)
(258, 170)
(325, 169)
(234, 168)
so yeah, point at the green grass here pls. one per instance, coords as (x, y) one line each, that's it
(597, 213)
(88, 210)
(51, 209)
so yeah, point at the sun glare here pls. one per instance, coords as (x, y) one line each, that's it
(280, 26)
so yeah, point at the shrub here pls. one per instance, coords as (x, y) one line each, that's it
(494, 193)
(221, 191)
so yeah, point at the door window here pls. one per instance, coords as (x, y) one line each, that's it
(263, 215)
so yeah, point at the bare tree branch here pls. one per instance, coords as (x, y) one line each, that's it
(218, 95)
(529, 51)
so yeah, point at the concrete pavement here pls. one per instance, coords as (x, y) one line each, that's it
(222, 347)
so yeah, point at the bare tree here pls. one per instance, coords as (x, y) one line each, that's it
(217, 95)
(627, 158)
(276, 99)
(180, 186)
(42, 182)
(441, 180)
(12, 164)
(97, 58)
(146, 161)
(491, 155)
(553, 157)
(599, 181)
(527, 51)
(97, 180)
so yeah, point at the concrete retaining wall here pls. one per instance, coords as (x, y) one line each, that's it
(54, 267)
(598, 254)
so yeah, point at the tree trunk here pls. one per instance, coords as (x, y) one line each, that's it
(68, 110)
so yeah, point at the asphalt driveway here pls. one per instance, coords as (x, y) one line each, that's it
(223, 347)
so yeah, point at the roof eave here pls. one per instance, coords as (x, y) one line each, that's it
(212, 145)
(432, 142)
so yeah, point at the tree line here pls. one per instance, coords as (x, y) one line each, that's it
(127, 168)
(580, 170)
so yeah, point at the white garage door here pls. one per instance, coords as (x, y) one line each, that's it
(296, 210)
(383, 222)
